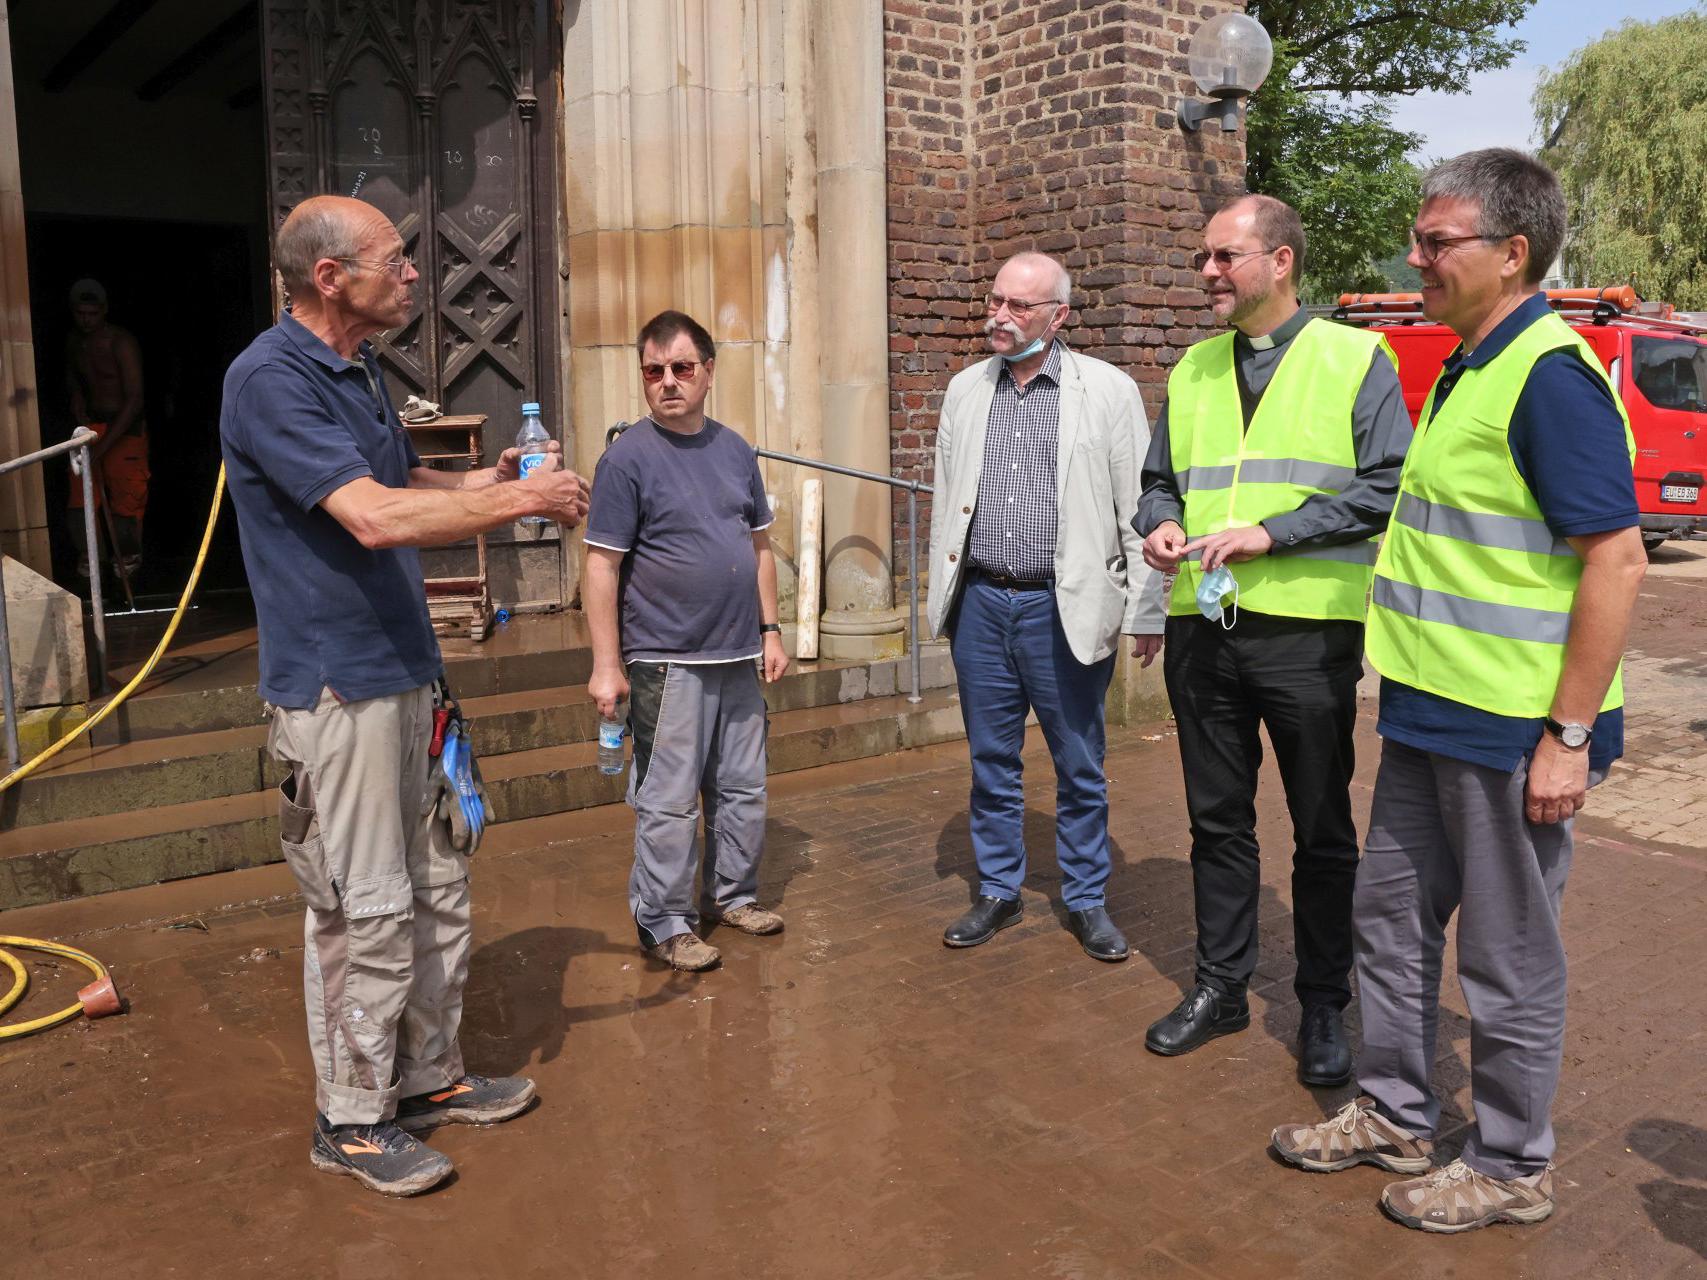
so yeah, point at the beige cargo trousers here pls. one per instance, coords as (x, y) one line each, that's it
(388, 927)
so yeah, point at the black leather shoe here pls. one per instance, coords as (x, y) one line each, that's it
(1324, 1056)
(1200, 1017)
(1097, 934)
(988, 915)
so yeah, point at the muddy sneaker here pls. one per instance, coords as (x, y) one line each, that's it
(1359, 1134)
(379, 1156)
(686, 952)
(751, 918)
(471, 1100)
(1457, 1198)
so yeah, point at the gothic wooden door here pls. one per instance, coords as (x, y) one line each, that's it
(428, 109)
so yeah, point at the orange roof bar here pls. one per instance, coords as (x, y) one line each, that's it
(1622, 296)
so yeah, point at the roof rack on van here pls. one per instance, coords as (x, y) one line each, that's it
(1615, 304)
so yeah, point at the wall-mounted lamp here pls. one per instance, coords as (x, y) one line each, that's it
(1229, 58)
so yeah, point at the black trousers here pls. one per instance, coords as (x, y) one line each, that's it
(1298, 679)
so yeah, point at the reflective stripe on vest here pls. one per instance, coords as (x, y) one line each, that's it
(1299, 444)
(1473, 593)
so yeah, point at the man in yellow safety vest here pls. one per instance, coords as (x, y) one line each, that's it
(1276, 460)
(1498, 616)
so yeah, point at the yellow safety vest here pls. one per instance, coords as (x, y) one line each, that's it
(1299, 443)
(1473, 593)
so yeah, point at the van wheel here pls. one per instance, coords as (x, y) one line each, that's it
(1651, 541)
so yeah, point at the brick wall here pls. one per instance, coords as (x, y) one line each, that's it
(1041, 124)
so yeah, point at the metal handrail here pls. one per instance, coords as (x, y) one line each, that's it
(79, 444)
(914, 488)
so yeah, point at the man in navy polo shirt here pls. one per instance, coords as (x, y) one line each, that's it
(332, 503)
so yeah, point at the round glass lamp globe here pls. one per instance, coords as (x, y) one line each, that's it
(1230, 52)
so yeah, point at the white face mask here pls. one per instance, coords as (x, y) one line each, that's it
(1212, 589)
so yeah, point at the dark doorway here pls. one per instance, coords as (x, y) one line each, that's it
(186, 291)
(144, 168)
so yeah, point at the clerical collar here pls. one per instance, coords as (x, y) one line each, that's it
(1281, 335)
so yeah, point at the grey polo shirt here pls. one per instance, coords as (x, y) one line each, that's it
(1381, 432)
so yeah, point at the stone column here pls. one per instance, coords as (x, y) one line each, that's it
(859, 620)
(677, 195)
(23, 502)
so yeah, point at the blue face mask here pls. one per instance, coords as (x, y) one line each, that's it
(1212, 589)
(1031, 350)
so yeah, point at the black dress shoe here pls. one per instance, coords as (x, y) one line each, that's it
(1097, 934)
(1324, 1056)
(1200, 1017)
(982, 922)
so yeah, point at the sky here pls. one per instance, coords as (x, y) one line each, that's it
(1496, 111)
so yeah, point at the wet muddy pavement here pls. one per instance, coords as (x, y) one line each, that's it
(852, 1099)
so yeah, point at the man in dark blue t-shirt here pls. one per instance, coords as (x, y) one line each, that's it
(332, 503)
(680, 597)
(1498, 617)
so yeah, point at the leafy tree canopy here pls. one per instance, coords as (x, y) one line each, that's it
(1336, 158)
(1626, 122)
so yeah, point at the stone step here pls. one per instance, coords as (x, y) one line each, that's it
(221, 694)
(84, 855)
(93, 780)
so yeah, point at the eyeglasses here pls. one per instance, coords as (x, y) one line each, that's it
(1017, 308)
(396, 265)
(1429, 248)
(1222, 258)
(683, 370)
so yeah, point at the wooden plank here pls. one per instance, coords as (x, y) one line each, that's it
(810, 556)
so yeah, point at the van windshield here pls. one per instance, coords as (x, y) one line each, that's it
(1671, 372)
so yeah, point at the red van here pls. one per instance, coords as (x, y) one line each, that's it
(1657, 358)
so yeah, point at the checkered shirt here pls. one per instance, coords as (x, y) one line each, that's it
(1013, 526)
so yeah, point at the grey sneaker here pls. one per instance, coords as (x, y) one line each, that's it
(379, 1156)
(1359, 1134)
(1457, 1198)
(752, 918)
(685, 951)
(471, 1100)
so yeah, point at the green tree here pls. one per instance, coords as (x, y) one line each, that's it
(1319, 137)
(1626, 123)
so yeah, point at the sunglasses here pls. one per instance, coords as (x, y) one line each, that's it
(682, 370)
(1223, 258)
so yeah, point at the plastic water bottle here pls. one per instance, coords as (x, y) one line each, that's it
(611, 756)
(531, 440)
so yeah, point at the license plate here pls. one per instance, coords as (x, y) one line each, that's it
(1680, 493)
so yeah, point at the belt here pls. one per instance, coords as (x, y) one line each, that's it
(1015, 584)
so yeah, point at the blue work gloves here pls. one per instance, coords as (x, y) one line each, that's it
(458, 795)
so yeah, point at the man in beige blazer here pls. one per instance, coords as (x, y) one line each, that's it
(1035, 573)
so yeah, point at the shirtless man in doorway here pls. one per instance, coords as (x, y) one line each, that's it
(103, 370)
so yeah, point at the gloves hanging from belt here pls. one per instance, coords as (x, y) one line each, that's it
(454, 788)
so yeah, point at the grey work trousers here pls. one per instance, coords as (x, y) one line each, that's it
(1446, 835)
(388, 927)
(699, 733)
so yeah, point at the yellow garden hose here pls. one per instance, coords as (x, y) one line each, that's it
(20, 980)
(96, 999)
(28, 767)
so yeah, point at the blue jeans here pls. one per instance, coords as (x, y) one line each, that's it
(1010, 655)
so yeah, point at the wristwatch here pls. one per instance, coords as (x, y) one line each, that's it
(770, 628)
(1572, 736)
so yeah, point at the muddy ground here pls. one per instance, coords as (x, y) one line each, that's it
(851, 1099)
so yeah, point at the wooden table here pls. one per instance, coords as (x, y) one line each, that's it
(458, 606)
